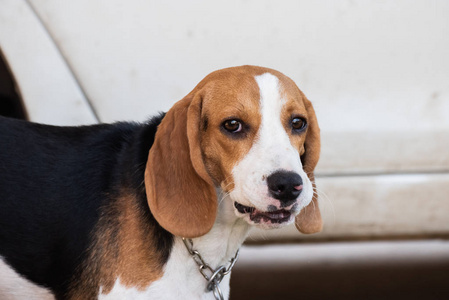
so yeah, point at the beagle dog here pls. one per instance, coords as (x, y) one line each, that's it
(142, 211)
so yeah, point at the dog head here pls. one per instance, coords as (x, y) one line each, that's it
(248, 131)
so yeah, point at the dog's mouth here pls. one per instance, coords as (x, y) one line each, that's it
(274, 217)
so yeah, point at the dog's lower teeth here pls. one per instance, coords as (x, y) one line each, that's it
(276, 216)
(256, 216)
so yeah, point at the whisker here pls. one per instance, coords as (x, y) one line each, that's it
(222, 196)
(327, 199)
(229, 183)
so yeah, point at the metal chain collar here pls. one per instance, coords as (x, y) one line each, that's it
(213, 277)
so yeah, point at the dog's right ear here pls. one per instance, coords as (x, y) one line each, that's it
(180, 192)
(309, 219)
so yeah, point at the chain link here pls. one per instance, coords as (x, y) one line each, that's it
(215, 276)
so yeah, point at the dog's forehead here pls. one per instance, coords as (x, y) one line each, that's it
(239, 89)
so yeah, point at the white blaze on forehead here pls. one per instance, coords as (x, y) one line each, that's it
(270, 108)
(273, 139)
(270, 99)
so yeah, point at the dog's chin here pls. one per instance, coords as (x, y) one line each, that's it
(266, 219)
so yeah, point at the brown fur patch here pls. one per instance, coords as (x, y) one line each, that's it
(228, 97)
(294, 106)
(124, 248)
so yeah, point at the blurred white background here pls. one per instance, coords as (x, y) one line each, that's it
(376, 71)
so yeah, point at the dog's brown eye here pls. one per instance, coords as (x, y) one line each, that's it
(298, 124)
(233, 125)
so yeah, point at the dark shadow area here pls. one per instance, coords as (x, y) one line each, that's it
(11, 104)
(426, 281)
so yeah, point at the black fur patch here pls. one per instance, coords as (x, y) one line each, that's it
(54, 183)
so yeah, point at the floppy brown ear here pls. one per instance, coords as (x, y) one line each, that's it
(180, 193)
(309, 219)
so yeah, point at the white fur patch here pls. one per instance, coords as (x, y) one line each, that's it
(120, 291)
(270, 152)
(15, 287)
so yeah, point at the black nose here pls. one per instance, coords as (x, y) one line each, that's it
(284, 186)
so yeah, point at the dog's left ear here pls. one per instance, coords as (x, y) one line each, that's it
(309, 219)
(179, 190)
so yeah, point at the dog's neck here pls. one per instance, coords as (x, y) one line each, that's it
(220, 244)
